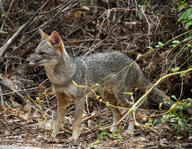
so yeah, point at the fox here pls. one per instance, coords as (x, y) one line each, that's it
(111, 74)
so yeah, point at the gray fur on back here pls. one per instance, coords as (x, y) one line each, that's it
(112, 68)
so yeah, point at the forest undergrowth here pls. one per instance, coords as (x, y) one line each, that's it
(156, 34)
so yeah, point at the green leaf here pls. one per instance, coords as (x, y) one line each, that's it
(189, 44)
(190, 17)
(187, 39)
(98, 97)
(174, 97)
(3, 32)
(173, 108)
(3, 15)
(175, 41)
(181, 6)
(188, 24)
(106, 138)
(160, 105)
(175, 69)
(185, 15)
(97, 84)
(189, 99)
(150, 48)
(180, 122)
(128, 93)
(107, 104)
(172, 120)
(77, 85)
(187, 106)
(160, 44)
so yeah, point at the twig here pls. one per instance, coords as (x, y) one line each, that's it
(149, 26)
(84, 24)
(93, 114)
(1, 7)
(2, 101)
(24, 90)
(46, 12)
(10, 6)
(43, 26)
(12, 39)
(9, 84)
(6, 46)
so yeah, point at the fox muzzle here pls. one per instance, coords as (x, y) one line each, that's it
(34, 60)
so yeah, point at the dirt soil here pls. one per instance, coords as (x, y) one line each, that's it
(29, 128)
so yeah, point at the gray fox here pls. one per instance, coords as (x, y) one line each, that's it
(113, 74)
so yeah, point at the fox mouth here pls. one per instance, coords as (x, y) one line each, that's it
(35, 64)
(32, 63)
(39, 63)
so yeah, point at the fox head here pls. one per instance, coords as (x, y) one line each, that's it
(49, 51)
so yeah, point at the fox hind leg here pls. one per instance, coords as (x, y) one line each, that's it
(115, 111)
(122, 97)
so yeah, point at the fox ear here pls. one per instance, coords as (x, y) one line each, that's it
(43, 34)
(55, 39)
(57, 43)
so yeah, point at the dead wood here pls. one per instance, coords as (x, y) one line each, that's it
(7, 45)
(10, 85)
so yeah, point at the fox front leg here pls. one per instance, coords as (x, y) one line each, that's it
(61, 111)
(79, 107)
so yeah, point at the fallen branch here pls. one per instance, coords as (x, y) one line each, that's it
(6, 46)
(9, 84)
(63, 9)
(6, 16)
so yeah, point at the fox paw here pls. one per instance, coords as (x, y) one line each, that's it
(75, 136)
(130, 131)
